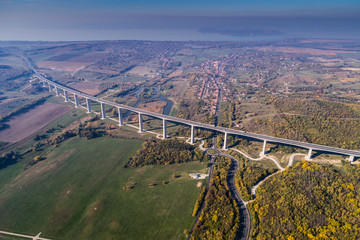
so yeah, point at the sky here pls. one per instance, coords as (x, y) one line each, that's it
(235, 20)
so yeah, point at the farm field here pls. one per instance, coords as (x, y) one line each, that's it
(25, 124)
(78, 193)
(63, 66)
(88, 87)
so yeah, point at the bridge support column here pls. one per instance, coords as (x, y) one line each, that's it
(50, 88)
(103, 113)
(44, 84)
(192, 134)
(57, 91)
(120, 117)
(88, 105)
(351, 159)
(264, 149)
(76, 100)
(140, 123)
(66, 96)
(308, 156)
(225, 141)
(164, 128)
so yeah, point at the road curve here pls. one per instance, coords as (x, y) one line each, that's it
(260, 158)
(244, 228)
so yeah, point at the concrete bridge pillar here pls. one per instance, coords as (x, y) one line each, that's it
(57, 91)
(192, 134)
(103, 113)
(225, 141)
(88, 105)
(264, 149)
(50, 88)
(120, 117)
(140, 123)
(164, 128)
(66, 96)
(76, 98)
(308, 156)
(44, 84)
(351, 159)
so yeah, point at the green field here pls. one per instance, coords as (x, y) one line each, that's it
(78, 193)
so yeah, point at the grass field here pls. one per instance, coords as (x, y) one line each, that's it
(77, 193)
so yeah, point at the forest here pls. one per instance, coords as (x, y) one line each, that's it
(220, 216)
(308, 201)
(249, 175)
(163, 152)
(315, 121)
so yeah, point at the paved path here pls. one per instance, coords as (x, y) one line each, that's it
(291, 159)
(255, 187)
(37, 237)
(211, 166)
(260, 158)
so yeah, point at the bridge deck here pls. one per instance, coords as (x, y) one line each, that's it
(261, 137)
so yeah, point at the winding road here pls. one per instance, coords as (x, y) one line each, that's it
(244, 228)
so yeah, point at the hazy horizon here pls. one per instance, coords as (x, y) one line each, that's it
(80, 20)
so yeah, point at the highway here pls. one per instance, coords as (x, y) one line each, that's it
(269, 139)
(244, 228)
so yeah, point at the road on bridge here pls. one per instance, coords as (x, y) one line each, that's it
(270, 139)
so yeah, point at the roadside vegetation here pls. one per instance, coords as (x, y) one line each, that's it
(199, 202)
(220, 216)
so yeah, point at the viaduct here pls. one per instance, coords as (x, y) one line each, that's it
(61, 90)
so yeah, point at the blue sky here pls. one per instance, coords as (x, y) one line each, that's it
(190, 6)
(177, 20)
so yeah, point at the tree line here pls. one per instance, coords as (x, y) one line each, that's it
(8, 159)
(22, 109)
(164, 152)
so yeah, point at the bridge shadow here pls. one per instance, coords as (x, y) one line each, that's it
(317, 153)
(267, 152)
(238, 139)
